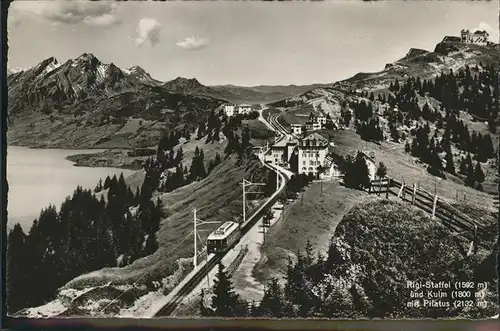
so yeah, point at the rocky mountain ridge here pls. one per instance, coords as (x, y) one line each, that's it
(450, 54)
(83, 103)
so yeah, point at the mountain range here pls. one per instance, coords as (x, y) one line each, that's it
(450, 54)
(55, 104)
(83, 102)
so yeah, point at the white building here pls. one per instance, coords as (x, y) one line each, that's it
(281, 152)
(313, 126)
(244, 108)
(476, 37)
(232, 110)
(296, 128)
(229, 110)
(312, 151)
(331, 170)
(321, 119)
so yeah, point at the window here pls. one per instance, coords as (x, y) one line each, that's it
(304, 162)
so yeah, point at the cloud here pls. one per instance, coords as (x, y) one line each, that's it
(192, 43)
(148, 29)
(493, 32)
(102, 13)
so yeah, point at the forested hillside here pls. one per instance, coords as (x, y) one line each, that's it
(113, 226)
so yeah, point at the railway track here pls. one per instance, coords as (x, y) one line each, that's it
(190, 285)
(170, 307)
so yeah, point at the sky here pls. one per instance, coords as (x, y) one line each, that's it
(240, 42)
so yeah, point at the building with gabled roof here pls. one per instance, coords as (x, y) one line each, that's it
(312, 151)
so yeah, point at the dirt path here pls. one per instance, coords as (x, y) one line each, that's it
(244, 281)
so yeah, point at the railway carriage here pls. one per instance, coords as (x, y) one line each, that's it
(220, 240)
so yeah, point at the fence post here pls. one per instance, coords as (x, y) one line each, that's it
(401, 189)
(475, 243)
(434, 207)
(414, 193)
(388, 187)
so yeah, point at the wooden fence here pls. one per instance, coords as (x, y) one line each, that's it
(439, 209)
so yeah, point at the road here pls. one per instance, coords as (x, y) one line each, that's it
(189, 284)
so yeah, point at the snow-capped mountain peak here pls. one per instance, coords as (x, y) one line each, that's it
(46, 66)
(137, 73)
(16, 70)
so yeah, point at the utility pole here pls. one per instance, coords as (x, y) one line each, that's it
(266, 222)
(246, 183)
(195, 262)
(196, 236)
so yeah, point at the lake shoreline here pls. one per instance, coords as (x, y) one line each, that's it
(111, 158)
(97, 157)
(46, 176)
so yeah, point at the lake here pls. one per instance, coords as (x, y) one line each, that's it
(39, 177)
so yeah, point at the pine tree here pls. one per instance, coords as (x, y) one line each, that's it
(225, 300)
(469, 180)
(435, 163)
(98, 187)
(151, 244)
(272, 302)
(201, 130)
(463, 166)
(362, 171)
(217, 159)
(346, 116)
(381, 170)
(16, 269)
(107, 182)
(478, 173)
(450, 165)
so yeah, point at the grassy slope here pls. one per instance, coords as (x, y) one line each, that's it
(313, 219)
(401, 165)
(258, 129)
(389, 236)
(309, 221)
(217, 198)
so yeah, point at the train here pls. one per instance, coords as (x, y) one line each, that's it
(223, 238)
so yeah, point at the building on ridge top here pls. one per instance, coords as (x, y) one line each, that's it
(477, 37)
